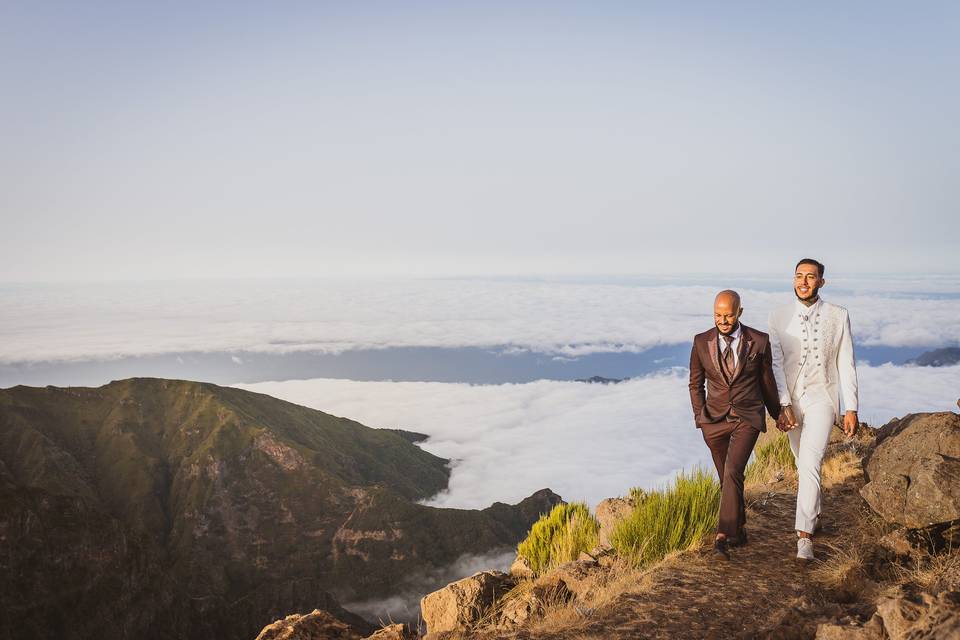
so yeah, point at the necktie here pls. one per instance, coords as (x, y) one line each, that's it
(728, 365)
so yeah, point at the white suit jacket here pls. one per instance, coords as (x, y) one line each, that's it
(836, 359)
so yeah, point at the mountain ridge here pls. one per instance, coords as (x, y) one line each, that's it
(185, 508)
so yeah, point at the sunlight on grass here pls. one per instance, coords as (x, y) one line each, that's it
(560, 536)
(669, 519)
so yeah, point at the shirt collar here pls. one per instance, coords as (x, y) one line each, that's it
(804, 310)
(735, 334)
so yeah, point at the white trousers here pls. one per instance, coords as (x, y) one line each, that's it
(808, 441)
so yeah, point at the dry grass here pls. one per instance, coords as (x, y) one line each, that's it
(621, 578)
(842, 572)
(928, 568)
(839, 468)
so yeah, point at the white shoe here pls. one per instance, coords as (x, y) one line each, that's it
(805, 549)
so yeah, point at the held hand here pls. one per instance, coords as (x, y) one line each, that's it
(781, 423)
(788, 418)
(850, 423)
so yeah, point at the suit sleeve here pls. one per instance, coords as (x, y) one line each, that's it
(768, 385)
(698, 396)
(847, 367)
(776, 353)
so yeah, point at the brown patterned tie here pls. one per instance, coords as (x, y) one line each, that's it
(728, 365)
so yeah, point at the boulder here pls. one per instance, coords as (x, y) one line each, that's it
(521, 568)
(532, 603)
(924, 617)
(579, 575)
(465, 602)
(393, 632)
(608, 513)
(914, 471)
(317, 625)
(897, 543)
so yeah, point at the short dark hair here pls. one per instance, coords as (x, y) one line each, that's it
(819, 265)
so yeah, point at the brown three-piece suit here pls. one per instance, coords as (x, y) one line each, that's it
(730, 412)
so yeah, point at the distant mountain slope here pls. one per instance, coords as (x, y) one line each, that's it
(937, 358)
(155, 508)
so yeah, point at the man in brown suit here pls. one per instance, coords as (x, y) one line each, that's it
(736, 364)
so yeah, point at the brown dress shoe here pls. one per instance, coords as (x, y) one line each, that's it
(720, 550)
(740, 540)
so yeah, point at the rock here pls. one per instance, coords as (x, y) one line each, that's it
(463, 603)
(579, 576)
(873, 630)
(605, 556)
(925, 617)
(608, 513)
(393, 632)
(317, 625)
(521, 568)
(914, 471)
(897, 543)
(532, 604)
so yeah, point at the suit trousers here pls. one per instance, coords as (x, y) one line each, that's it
(731, 443)
(808, 441)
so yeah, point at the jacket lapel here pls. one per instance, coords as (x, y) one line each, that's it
(714, 351)
(742, 352)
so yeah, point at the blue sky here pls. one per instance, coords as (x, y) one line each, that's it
(154, 141)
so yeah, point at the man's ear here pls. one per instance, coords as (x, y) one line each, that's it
(739, 313)
(823, 283)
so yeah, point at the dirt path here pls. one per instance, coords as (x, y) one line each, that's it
(755, 595)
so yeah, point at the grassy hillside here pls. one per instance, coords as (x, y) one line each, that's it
(168, 508)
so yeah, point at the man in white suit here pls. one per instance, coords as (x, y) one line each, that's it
(814, 367)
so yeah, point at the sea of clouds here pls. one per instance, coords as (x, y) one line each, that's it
(584, 441)
(43, 322)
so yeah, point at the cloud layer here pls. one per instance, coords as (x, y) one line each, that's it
(584, 441)
(80, 321)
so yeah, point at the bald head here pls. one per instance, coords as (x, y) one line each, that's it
(726, 311)
(728, 297)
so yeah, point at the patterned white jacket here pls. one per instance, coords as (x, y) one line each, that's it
(828, 347)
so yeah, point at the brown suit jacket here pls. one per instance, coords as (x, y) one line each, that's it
(743, 397)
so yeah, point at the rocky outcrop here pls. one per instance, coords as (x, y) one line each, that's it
(521, 568)
(925, 617)
(914, 473)
(532, 602)
(608, 513)
(318, 625)
(465, 602)
(394, 632)
(579, 576)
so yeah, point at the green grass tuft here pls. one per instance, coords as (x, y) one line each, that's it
(669, 519)
(560, 536)
(770, 456)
